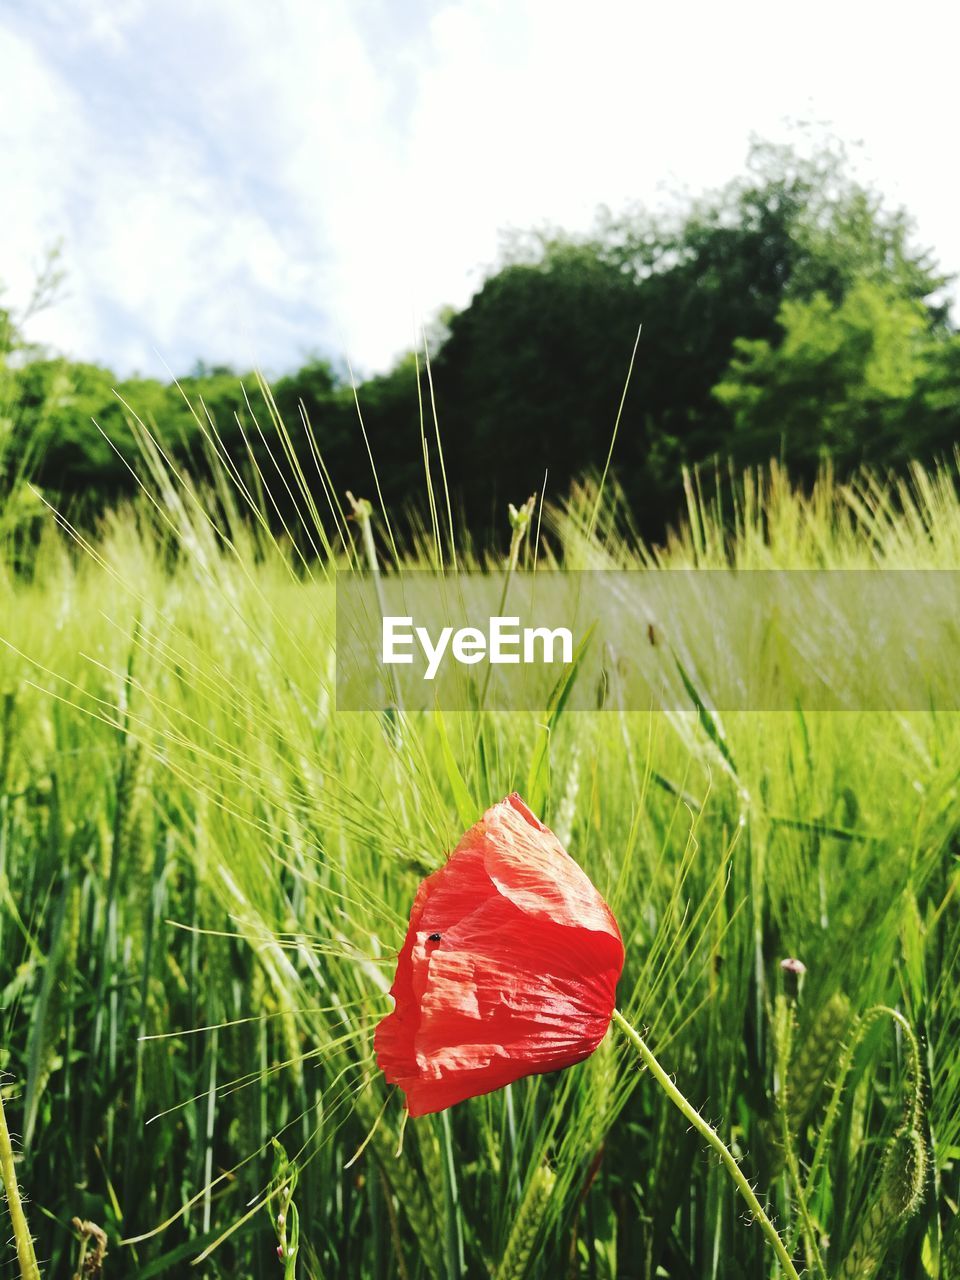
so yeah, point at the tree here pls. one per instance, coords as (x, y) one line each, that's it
(787, 314)
(531, 375)
(533, 368)
(831, 387)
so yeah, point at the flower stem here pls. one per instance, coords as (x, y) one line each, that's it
(21, 1232)
(713, 1139)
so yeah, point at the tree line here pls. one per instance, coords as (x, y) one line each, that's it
(787, 316)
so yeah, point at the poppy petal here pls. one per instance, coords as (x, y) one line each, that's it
(509, 966)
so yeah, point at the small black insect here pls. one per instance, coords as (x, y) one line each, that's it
(434, 937)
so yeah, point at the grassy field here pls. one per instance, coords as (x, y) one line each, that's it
(205, 874)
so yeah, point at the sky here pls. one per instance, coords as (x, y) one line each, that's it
(253, 184)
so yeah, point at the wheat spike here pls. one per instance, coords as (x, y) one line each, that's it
(814, 1057)
(516, 1256)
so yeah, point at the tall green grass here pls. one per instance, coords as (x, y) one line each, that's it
(205, 873)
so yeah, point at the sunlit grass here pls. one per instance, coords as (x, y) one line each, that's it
(205, 873)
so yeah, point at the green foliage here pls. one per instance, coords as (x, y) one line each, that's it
(787, 315)
(838, 382)
(794, 252)
(532, 371)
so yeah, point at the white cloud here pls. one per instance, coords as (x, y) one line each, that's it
(34, 105)
(243, 182)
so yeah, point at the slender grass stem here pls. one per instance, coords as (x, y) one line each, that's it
(520, 529)
(453, 1241)
(713, 1139)
(21, 1232)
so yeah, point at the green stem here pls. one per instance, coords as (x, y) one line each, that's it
(520, 527)
(713, 1139)
(783, 1040)
(21, 1232)
(453, 1234)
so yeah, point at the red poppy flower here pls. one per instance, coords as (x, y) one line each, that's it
(509, 967)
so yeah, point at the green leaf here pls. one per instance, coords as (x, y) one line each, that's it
(467, 808)
(707, 719)
(538, 777)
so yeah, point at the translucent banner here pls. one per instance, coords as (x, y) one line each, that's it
(821, 640)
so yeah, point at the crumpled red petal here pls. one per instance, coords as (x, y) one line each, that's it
(522, 979)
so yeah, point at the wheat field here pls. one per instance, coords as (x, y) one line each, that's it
(206, 870)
